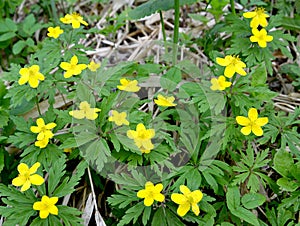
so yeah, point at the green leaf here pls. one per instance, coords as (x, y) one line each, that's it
(70, 216)
(2, 155)
(67, 185)
(253, 200)
(171, 79)
(6, 36)
(56, 172)
(159, 218)
(7, 25)
(283, 162)
(198, 17)
(18, 46)
(146, 215)
(291, 23)
(96, 154)
(233, 198)
(132, 213)
(287, 184)
(246, 215)
(152, 6)
(259, 76)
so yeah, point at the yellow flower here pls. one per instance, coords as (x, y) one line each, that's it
(93, 66)
(151, 193)
(46, 206)
(85, 111)
(129, 86)
(261, 37)
(165, 101)
(75, 19)
(252, 123)
(27, 177)
(232, 64)
(187, 200)
(142, 138)
(258, 17)
(219, 83)
(54, 32)
(31, 75)
(72, 68)
(44, 131)
(42, 143)
(118, 118)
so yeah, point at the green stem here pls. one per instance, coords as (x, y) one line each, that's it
(176, 30)
(38, 106)
(176, 21)
(232, 7)
(162, 26)
(54, 12)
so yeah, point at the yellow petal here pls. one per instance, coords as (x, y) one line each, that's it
(74, 60)
(249, 14)
(33, 82)
(53, 200)
(269, 38)
(262, 43)
(222, 61)
(257, 130)
(253, 39)
(18, 181)
(75, 24)
(184, 189)
(40, 122)
(23, 79)
(50, 125)
(183, 209)
(142, 193)
(53, 210)
(252, 114)
(215, 84)
(38, 205)
(78, 114)
(195, 209)
(26, 186)
(246, 130)
(36, 179)
(65, 65)
(229, 71)
(262, 121)
(44, 214)
(159, 197)
(158, 188)
(243, 121)
(178, 198)
(148, 201)
(23, 168)
(131, 134)
(197, 196)
(24, 72)
(34, 168)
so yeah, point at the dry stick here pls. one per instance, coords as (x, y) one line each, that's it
(101, 223)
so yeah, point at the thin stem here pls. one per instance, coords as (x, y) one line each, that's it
(37, 105)
(162, 26)
(176, 30)
(232, 7)
(176, 21)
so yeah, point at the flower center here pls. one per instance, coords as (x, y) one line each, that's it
(31, 73)
(260, 11)
(190, 199)
(26, 175)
